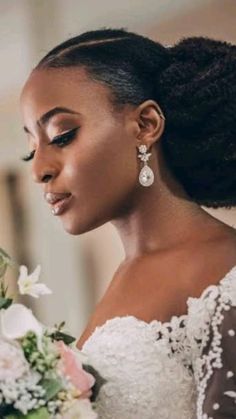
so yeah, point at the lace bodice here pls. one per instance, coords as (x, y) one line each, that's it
(182, 369)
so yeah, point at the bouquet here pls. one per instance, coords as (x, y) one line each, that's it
(42, 376)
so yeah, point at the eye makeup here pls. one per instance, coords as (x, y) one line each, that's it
(60, 140)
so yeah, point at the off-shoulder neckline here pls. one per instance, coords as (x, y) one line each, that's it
(107, 322)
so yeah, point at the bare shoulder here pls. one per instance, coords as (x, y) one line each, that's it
(157, 286)
(207, 264)
(155, 283)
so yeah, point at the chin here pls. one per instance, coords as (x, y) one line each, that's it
(76, 228)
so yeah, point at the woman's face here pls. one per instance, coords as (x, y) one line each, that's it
(96, 164)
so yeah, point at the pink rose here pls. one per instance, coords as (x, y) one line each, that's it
(72, 367)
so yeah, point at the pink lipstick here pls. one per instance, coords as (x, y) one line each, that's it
(60, 206)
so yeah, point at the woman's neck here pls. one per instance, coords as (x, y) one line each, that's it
(162, 217)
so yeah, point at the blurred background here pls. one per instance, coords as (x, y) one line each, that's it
(77, 269)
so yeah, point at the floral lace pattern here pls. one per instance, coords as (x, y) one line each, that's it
(170, 370)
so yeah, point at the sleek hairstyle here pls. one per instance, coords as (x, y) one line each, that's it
(193, 81)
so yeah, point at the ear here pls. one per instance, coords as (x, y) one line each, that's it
(151, 123)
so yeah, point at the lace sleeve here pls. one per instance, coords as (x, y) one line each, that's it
(215, 369)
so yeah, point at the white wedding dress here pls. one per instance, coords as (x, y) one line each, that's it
(183, 369)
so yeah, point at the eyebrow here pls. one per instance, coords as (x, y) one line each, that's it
(44, 119)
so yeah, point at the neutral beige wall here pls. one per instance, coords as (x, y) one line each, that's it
(213, 18)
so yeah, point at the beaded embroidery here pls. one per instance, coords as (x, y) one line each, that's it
(220, 298)
(163, 369)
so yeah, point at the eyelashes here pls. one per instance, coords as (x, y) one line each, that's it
(28, 156)
(60, 140)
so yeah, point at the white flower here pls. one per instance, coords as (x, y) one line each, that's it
(12, 361)
(27, 283)
(17, 320)
(25, 393)
(80, 409)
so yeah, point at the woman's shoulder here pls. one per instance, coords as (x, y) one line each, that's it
(169, 278)
(164, 284)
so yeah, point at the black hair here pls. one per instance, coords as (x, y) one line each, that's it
(194, 83)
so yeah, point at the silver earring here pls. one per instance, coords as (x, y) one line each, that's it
(146, 175)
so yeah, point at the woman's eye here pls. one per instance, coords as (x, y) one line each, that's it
(65, 138)
(28, 156)
(60, 140)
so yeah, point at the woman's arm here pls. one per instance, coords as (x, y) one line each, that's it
(216, 368)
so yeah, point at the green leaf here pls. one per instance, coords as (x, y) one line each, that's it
(52, 387)
(3, 267)
(5, 302)
(61, 325)
(5, 261)
(67, 339)
(4, 254)
(41, 413)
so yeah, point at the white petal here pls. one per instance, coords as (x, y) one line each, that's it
(27, 283)
(22, 286)
(23, 272)
(39, 289)
(34, 277)
(17, 320)
(31, 293)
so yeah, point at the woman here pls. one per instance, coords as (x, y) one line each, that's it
(122, 129)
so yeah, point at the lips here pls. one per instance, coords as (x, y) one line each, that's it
(58, 201)
(52, 197)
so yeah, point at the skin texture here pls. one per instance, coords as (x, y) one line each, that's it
(159, 226)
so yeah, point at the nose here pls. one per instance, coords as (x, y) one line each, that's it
(43, 176)
(46, 178)
(44, 167)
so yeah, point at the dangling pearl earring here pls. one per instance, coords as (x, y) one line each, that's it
(146, 175)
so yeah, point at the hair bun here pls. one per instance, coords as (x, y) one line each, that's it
(197, 93)
(202, 50)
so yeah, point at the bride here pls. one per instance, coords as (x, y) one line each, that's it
(124, 130)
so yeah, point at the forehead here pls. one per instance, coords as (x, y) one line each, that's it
(66, 87)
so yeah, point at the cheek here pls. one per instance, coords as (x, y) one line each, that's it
(101, 178)
(104, 164)
(101, 172)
